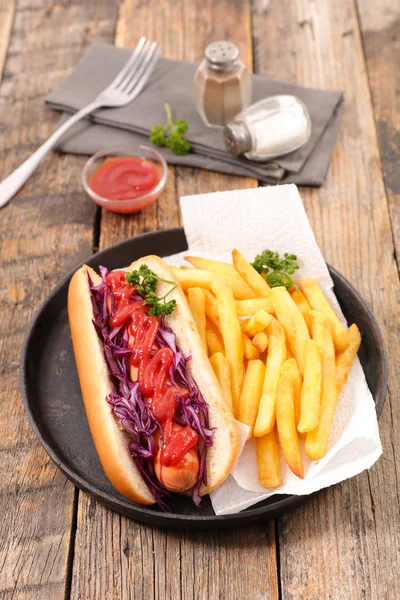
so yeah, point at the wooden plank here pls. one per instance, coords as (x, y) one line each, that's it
(7, 10)
(44, 231)
(380, 26)
(233, 565)
(156, 563)
(344, 543)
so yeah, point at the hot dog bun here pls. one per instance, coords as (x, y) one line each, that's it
(110, 440)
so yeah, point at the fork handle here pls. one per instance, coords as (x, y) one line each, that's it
(16, 180)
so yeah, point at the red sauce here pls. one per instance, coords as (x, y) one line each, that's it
(125, 178)
(153, 370)
(177, 443)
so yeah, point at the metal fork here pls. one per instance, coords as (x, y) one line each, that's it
(123, 89)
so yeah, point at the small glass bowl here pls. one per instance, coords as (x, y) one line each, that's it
(138, 151)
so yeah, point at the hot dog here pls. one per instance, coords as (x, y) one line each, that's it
(156, 411)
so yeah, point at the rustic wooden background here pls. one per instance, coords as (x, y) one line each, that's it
(56, 542)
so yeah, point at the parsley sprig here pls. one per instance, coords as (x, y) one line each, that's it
(171, 134)
(145, 282)
(278, 271)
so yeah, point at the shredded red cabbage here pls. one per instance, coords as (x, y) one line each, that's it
(128, 403)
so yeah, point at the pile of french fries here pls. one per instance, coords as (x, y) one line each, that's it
(281, 357)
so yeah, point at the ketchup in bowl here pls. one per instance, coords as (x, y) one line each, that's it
(126, 178)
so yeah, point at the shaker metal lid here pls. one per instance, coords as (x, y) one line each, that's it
(221, 55)
(237, 138)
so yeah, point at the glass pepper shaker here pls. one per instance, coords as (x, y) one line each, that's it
(272, 127)
(222, 84)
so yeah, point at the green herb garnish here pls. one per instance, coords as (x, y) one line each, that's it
(145, 282)
(171, 135)
(277, 271)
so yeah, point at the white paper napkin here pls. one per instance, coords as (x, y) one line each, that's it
(251, 221)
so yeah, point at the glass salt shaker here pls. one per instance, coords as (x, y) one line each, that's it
(272, 127)
(222, 84)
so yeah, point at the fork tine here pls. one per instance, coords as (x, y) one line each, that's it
(134, 78)
(134, 67)
(135, 55)
(136, 89)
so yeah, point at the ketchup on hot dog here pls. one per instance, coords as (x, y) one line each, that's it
(178, 451)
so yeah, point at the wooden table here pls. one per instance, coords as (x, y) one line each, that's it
(56, 542)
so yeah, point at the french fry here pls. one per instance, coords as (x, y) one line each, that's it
(317, 439)
(243, 324)
(317, 301)
(260, 341)
(214, 266)
(288, 351)
(269, 460)
(211, 308)
(302, 304)
(199, 278)
(251, 393)
(346, 358)
(250, 351)
(250, 275)
(196, 301)
(301, 301)
(276, 357)
(232, 336)
(248, 308)
(291, 367)
(285, 424)
(293, 323)
(221, 368)
(311, 390)
(214, 339)
(257, 322)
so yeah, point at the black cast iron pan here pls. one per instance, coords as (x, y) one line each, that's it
(53, 403)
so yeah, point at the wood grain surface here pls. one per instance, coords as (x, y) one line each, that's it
(7, 10)
(350, 533)
(44, 231)
(380, 33)
(344, 544)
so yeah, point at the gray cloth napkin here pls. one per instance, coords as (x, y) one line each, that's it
(171, 83)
